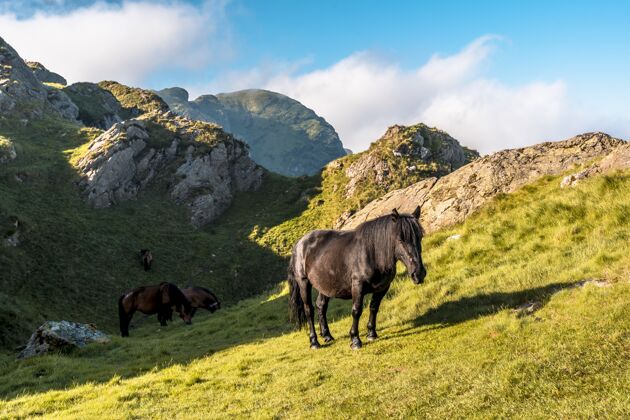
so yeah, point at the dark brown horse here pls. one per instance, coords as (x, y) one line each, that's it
(200, 298)
(351, 264)
(150, 300)
(146, 259)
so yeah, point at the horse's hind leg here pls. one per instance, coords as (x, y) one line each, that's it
(322, 306)
(374, 305)
(305, 293)
(357, 309)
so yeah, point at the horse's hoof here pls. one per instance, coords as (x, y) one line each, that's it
(356, 344)
(315, 345)
(372, 336)
(328, 338)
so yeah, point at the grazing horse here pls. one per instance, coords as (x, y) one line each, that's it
(199, 297)
(150, 300)
(349, 265)
(146, 259)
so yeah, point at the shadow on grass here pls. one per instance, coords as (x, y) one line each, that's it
(472, 307)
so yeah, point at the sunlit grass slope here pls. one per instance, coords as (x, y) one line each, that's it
(456, 346)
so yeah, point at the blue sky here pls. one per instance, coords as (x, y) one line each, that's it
(531, 71)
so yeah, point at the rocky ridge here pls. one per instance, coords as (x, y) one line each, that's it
(452, 198)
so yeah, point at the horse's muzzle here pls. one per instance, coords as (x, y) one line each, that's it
(418, 278)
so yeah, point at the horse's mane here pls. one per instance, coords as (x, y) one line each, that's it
(379, 236)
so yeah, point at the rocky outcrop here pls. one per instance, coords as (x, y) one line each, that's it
(62, 103)
(452, 198)
(412, 153)
(284, 135)
(202, 166)
(23, 95)
(61, 336)
(44, 75)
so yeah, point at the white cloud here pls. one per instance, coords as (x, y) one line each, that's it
(362, 95)
(124, 42)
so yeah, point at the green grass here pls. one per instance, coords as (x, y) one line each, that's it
(74, 261)
(456, 346)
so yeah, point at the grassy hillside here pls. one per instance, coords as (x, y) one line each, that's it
(73, 261)
(462, 343)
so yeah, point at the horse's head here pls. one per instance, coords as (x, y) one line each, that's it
(185, 312)
(213, 304)
(409, 244)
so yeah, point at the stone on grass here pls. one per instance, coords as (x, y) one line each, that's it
(61, 336)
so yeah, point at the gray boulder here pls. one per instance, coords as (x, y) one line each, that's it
(61, 336)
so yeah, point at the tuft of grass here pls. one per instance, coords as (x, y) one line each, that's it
(458, 344)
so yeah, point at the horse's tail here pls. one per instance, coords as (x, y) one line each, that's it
(122, 316)
(296, 305)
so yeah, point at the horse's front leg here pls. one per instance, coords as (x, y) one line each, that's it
(375, 303)
(357, 309)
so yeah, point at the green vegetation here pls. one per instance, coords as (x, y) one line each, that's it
(461, 343)
(131, 98)
(74, 261)
(6, 148)
(97, 106)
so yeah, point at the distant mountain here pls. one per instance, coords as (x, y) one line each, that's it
(284, 136)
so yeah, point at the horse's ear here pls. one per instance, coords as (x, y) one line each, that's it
(416, 213)
(395, 214)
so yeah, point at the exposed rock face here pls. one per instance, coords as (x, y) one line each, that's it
(203, 166)
(62, 103)
(454, 197)
(61, 336)
(284, 135)
(618, 159)
(44, 75)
